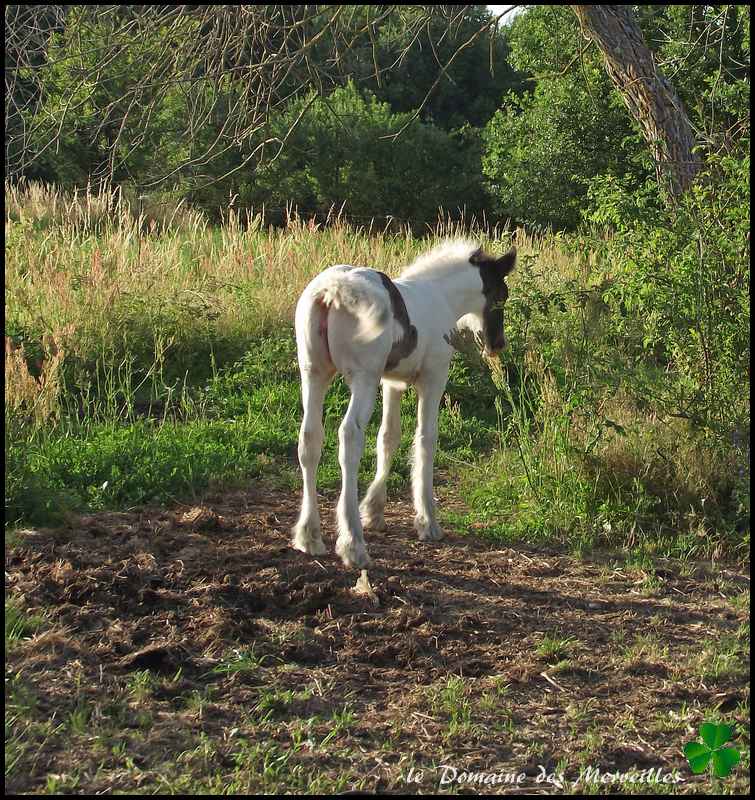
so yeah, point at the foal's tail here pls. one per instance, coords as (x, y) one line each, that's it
(341, 308)
(358, 298)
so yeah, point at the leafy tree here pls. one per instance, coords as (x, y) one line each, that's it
(107, 73)
(695, 43)
(542, 149)
(651, 100)
(469, 91)
(195, 97)
(680, 288)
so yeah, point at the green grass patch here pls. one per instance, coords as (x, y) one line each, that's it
(19, 624)
(241, 424)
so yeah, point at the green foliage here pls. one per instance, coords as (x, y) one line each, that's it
(86, 115)
(536, 153)
(626, 379)
(544, 41)
(543, 148)
(680, 289)
(547, 152)
(342, 153)
(469, 90)
(705, 52)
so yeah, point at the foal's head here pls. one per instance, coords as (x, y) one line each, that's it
(493, 272)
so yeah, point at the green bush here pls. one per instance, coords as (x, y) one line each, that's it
(542, 150)
(342, 153)
(624, 394)
(680, 289)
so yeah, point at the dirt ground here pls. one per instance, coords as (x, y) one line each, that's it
(179, 591)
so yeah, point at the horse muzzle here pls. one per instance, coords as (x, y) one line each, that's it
(494, 350)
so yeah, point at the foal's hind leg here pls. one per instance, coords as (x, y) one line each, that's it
(388, 439)
(429, 393)
(307, 537)
(350, 543)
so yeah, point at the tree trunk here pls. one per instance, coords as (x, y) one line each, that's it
(650, 98)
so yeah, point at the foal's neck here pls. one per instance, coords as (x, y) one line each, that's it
(462, 287)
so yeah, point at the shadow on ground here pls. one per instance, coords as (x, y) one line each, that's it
(179, 591)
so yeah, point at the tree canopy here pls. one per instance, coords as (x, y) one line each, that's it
(382, 110)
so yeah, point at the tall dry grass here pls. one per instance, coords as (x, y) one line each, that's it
(85, 263)
(70, 256)
(37, 396)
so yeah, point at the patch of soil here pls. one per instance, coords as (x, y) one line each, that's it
(174, 591)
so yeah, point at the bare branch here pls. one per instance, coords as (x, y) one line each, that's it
(109, 72)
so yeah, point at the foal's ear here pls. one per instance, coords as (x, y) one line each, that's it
(507, 262)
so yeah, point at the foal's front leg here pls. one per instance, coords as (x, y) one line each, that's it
(388, 439)
(350, 543)
(429, 393)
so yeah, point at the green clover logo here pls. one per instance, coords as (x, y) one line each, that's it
(712, 751)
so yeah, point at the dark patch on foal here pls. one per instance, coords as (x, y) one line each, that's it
(493, 272)
(406, 344)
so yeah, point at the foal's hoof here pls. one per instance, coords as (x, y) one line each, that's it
(352, 553)
(373, 522)
(429, 531)
(371, 513)
(307, 538)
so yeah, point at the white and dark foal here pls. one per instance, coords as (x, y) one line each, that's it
(372, 329)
